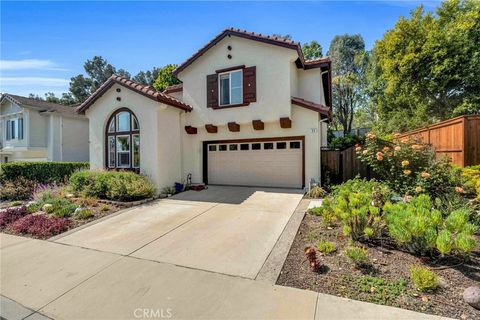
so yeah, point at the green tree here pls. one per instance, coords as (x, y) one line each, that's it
(165, 77)
(349, 62)
(427, 68)
(98, 70)
(312, 50)
(147, 77)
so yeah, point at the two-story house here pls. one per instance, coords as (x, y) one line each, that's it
(250, 111)
(36, 130)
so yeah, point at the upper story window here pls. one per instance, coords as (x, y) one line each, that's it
(123, 141)
(14, 129)
(231, 87)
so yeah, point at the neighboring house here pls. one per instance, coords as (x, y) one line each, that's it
(250, 111)
(36, 130)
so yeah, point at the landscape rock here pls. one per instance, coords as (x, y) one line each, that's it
(46, 207)
(471, 295)
(78, 210)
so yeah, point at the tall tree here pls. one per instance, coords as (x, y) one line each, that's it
(147, 77)
(427, 68)
(312, 50)
(349, 62)
(165, 77)
(98, 70)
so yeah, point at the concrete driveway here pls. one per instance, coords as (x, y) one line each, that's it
(228, 230)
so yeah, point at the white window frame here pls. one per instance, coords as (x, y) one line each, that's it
(12, 129)
(117, 152)
(132, 160)
(230, 87)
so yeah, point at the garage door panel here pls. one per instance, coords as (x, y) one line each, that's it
(269, 168)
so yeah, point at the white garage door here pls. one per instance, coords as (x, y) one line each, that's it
(266, 164)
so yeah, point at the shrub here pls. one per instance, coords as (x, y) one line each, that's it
(423, 279)
(10, 215)
(42, 172)
(383, 292)
(326, 247)
(457, 234)
(105, 207)
(421, 229)
(40, 226)
(113, 185)
(357, 203)
(471, 180)
(34, 207)
(344, 142)
(16, 203)
(85, 214)
(326, 212)
(168, 190)
(16, 189)
(356, 255)
(397, 163)
(88, 201)
(409, 167)
(313, 262)
(317, 192)
(53, 197)
(439, 179)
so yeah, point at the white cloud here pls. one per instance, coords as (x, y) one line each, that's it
(28, 64)
(33, 81)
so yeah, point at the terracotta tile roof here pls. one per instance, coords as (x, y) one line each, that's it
(256, 37)
(139, 88)
(323, 110)
(173, 88)
(39, 104)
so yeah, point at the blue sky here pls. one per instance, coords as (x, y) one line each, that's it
(43, 44)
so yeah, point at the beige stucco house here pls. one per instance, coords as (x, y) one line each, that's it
(250, 111)
(36, 130)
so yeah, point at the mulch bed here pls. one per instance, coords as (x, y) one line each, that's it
(338, 276)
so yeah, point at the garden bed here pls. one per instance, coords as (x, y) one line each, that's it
(386, 280)
(41, 225)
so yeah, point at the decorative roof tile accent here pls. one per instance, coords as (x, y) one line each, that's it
(139, 88)
(323, 110)
(256, 37)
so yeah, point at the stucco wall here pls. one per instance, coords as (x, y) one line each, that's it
(303, 121)
(74, 139)
(310, 85)
(273, 67)
(160, 145)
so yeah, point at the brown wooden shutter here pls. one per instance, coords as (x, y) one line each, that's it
(249, 85)
(212, 90)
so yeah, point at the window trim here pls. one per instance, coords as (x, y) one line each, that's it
(129, 152)
(15, 129)
(229, 72)
(130, 134)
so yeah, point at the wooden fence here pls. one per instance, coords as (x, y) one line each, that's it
(341, 165)
(458, 138)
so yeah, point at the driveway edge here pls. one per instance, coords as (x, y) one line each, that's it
(273, 265)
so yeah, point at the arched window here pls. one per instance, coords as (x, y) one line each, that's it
(122, 140)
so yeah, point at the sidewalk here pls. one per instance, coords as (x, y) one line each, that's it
(66, 282)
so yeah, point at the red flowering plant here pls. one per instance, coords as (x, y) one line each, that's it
(399, 163)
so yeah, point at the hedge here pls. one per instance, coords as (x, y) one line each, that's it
(41, 172)
(112, 185)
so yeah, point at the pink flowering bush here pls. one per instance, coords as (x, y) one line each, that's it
(408, 167)
(40, 226)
